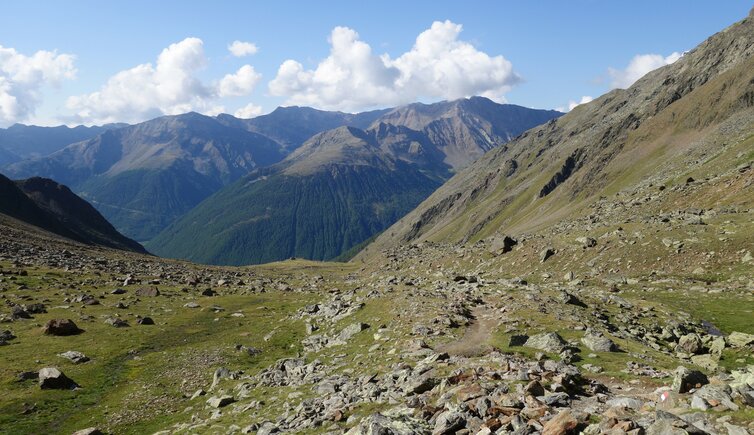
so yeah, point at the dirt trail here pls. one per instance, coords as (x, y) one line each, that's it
(475, 340)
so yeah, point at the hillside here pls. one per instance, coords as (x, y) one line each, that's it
(636, 147)
(52, 207)
(333, 193)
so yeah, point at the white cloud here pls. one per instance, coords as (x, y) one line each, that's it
(169, 87)
(248, 111)
(240, 83)
(241, 48)
(572, 104)
(22, 78)
(640, 65)
(438, 66)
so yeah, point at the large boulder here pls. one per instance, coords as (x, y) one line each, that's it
(690, 343)
(547, 341)
(50, 378)
(61, 327)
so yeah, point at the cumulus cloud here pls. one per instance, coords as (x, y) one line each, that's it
(168, 87)
(241, 48)
(640, 65)
(22, 78)
(352, 77)
(248, 111)
(240, 83)
(572, 104)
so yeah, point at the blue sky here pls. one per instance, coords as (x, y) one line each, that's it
(552, 53)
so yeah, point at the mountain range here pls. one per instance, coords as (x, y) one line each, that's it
(146, 177)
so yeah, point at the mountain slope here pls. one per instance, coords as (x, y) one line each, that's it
(19, 142)
(463, 130)
(53, 207)
(144, 176)
(693, 118)
(333, 193)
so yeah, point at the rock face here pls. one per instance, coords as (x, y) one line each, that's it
(50, 378)
(548, 342)
(61, 327)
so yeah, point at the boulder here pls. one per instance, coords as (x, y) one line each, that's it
(684, 380)
(562, 424)
(740, 339)
(219, 402)
(546, 253)
(597, 342)
(145, 321)
(587, 242)
(116, 322)
(50, 378)
(351, 330)
(89, 431)
(147, 291)
(61, 327)
(548, 342)
(690, 343)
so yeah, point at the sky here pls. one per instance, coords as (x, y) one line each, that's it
(94, 62)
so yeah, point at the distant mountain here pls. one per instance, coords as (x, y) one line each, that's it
(20, 142)
(331, 194)
(54, 208)
(142, 177)
(463, 130)
(677, 141)
(292, 126)
(342, 186)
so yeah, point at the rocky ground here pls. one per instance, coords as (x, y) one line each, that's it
(575, 329)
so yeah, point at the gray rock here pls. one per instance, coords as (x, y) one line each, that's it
(587, 242)
(597, 342)
(50, 378)
(685, 380)
(116, 322)
(718, 396)
(690, 343)
(219, 402)
(74, 356)
(548, 342)
(626, 402)
(448, 423)
(89, 431)
(740, 339)
(351, 330)
(546, 253)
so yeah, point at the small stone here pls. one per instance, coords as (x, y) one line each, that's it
(74, 356)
